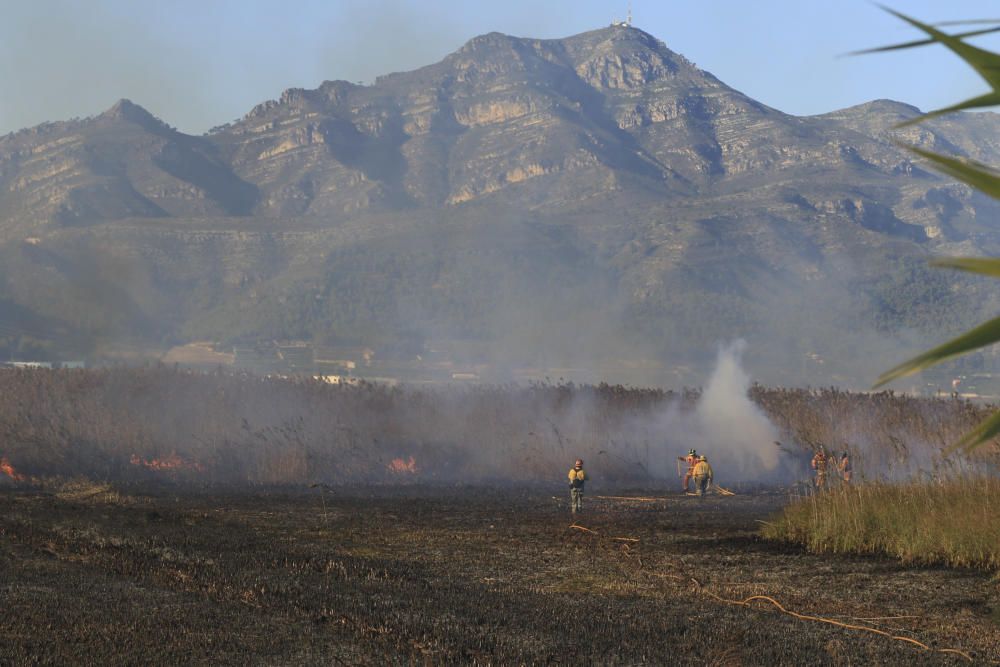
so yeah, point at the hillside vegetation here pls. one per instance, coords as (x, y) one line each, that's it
(597, 197)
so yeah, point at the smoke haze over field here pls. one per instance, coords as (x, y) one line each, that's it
(136, 424)
(173, 426)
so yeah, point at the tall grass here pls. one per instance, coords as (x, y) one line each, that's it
(954, 522)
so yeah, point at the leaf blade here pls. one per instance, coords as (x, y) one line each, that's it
(981, 336)
(988, 100)
(986, 266)
(966, 22)
(988, 429)
(970, 172)
(923, 42)
(986, 63)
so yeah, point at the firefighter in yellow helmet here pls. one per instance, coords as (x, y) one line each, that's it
(845, 468)
(819, 463)
(691, 460)
(577, 478)
(702, 475)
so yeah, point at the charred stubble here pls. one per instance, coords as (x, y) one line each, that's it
(452, 575)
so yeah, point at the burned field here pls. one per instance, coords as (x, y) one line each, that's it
(160, 516)
(403, 574)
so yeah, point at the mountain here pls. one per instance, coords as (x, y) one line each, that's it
(562, 201)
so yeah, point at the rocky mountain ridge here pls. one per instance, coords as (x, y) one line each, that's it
(464, 198)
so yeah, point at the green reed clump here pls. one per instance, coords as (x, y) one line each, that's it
(953, 522)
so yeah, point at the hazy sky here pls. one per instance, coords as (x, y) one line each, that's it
(199, 63)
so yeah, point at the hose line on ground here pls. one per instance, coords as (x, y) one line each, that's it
(804, 617)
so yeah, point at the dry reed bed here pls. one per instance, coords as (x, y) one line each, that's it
(953, 522)
(221, 428)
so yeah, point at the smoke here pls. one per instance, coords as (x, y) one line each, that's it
(158, 423)
(730, 425)
(725, 426)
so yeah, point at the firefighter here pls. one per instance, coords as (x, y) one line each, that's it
(690, 460)
(819, 467)
(577, 478)
(702, 473)
(845, 468)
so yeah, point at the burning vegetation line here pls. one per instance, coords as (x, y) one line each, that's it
(269, 431)
(7, 469)
(403, 466)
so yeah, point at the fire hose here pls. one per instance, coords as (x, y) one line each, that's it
(746, 602)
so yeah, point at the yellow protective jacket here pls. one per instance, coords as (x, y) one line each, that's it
(701, 468)
(577, 478)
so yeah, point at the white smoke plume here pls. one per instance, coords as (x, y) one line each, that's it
(725, 426)
(731, 427)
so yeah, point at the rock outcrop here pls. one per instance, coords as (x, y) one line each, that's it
(645, 169)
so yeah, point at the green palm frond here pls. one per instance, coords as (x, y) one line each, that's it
(968, 22)
(985, 63)
(924, 42)
(981, 336)
(983, 433)
(970, 172)
(987, 266)
(983, 101)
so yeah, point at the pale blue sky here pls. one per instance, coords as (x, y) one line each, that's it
(199, 63)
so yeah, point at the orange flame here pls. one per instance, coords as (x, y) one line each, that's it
(169, 464)
(7, 469)
(401, 466)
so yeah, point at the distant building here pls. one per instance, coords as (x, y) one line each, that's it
(198, 354)
(254, 359)
(343, 355)
(295, 355)
(337, 379)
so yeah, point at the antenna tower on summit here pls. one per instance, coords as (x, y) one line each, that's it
(627, 23)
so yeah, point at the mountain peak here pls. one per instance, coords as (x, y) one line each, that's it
(621, 33)
(128, 111)
(625, 57)
(486, 40)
